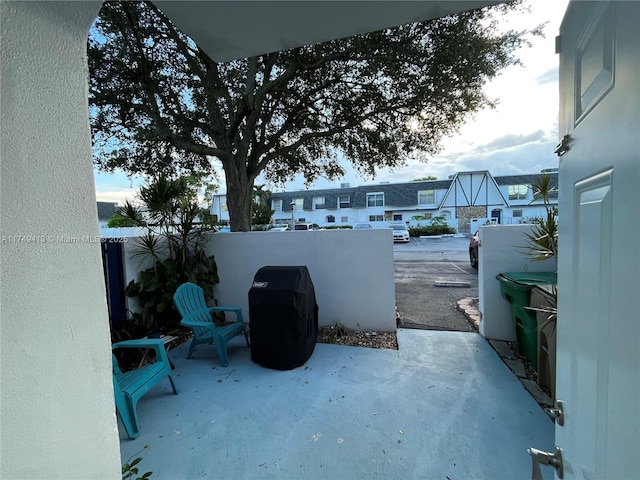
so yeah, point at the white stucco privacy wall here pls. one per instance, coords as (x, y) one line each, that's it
(57, 408)
(352, 271)
(501, 251)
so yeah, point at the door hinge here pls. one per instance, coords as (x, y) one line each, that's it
(563, 147)
(557, 412)
(538, 457)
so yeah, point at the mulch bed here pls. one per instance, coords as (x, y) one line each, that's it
(340, 335)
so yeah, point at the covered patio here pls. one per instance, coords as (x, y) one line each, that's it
(443, 406)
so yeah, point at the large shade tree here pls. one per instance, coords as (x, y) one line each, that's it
(159, 104)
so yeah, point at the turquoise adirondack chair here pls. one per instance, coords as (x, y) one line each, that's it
(190, 302)
(129, 387)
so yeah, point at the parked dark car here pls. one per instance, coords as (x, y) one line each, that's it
(474, 243)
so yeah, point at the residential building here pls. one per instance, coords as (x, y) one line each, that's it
(106, 210)
(466, 200)
(56, 348)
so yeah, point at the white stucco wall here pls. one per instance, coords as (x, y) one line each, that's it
(352, 271)
(500, 252)
(57, 408)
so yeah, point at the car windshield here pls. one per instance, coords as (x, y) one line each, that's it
(398, 227)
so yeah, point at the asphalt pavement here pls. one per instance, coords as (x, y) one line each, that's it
(431, 275)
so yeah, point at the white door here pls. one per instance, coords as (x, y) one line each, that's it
(598, 360)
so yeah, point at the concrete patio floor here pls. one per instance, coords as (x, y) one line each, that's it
(443, 406)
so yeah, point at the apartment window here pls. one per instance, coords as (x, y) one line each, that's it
(518, 192)
(299, 204)
(344, 219)
(343, 201)
(426, 197)
(376, 218)
(331, 219)
(276, 205)
(375, 200)
(318, 202)
(428, 216)
(397, 217)
(517, 213)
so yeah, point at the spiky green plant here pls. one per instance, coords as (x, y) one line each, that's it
(542, 242)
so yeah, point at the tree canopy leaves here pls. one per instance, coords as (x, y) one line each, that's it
(160, 105)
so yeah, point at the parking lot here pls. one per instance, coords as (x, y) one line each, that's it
(429, 278)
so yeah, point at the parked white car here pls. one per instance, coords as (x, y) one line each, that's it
(307, 226)
(400, 232)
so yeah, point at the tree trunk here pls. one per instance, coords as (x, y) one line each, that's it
(239, 203)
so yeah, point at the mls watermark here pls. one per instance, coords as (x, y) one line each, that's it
(59, 239)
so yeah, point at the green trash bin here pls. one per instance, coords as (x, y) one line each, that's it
(516, 289)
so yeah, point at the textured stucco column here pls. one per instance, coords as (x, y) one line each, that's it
(57, 407)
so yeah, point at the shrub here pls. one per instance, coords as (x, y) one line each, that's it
(430, 230)
(174, 243)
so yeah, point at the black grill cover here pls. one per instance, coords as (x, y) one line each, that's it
(283, 317)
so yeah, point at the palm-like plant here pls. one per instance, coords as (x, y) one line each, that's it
(542, 242)
(173, 243)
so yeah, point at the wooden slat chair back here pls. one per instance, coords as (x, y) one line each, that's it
(130, 386)
(196, 315)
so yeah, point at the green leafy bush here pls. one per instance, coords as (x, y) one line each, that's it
(130, 469)
(438, 226)
(174, 244)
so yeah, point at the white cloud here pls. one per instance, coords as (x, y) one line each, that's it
(517, 137)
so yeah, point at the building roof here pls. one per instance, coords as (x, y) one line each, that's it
(106, 210)
(395, 194)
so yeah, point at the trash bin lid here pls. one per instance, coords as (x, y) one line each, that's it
(530, 278)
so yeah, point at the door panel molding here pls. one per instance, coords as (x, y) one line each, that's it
(595, 62)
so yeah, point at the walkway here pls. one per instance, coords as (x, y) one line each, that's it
(444, 406)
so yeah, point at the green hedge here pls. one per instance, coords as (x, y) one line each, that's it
(431, 230)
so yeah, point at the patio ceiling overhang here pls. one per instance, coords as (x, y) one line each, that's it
(229, 30)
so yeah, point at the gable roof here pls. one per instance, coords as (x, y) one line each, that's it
(462, 189)
(106, 210)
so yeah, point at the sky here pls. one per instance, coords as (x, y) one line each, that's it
(518, 137)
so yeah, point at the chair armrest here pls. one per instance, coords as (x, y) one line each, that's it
(236, 310)
(156, 344)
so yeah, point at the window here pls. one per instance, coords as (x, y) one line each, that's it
(318, 202)
(517, 213)
(376, 218)
(427, 197)
(397, 217)
(299, 204)
(518, 192)
(343, 201)
(224, 207)
(331, 219)
(375, 199)
(344, 219)
(276, 205)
